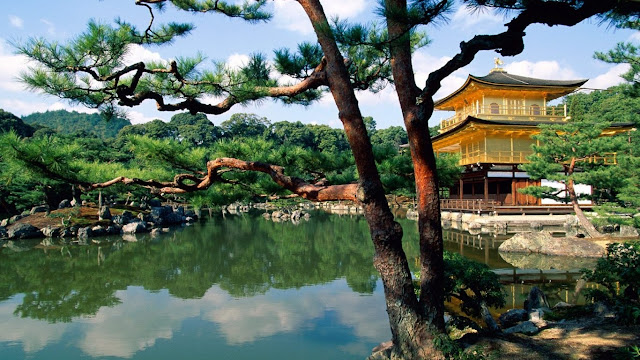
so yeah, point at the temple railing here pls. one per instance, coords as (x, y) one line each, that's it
(520, 113)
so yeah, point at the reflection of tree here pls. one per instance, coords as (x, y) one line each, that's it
(244, 255)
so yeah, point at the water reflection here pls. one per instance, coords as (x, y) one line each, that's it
(242, 287)
(252, 279)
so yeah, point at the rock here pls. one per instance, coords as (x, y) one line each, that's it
(628, 231)
(547, 262)
(104, 213)
(512, 317)
(191, 213)
(526, 327)
(607, 229)
(189, 219)
(66, 233)
(173, 218)
(535, 300)
(276, 214)
(543, 243)
(562, 305)
(134, 228)
(98, 231)
(179, 210)
(113, 229)
(24, 231)
(382, 351)
(51, 231)
(295, 216)
(4, 222)
(156, 232)
(15, 218)
(266, 215)
(537, 318)
(155, 203)
(64, 204)
(73, 203)
(3, 232)
(85, 233)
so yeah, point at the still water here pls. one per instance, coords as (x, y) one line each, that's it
(235, 288)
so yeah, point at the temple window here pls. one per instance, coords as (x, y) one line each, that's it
(534, 109)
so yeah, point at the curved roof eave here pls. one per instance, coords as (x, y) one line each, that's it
(514, 81)
(471, 119)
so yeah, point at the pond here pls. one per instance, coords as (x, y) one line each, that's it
(235, 288)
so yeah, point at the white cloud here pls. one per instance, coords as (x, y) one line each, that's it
(33, 334)
(424, 64)
(16, 21)
(466, 18)
(12, 66)
(137, 53)
(25, 107)
(137, 117)
(635, 37)
(135, 324)
(51, 27)
(236, 61)
(541, 70)
(608, 79)
(290, 15)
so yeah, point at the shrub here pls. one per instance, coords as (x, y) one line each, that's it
(619, 273)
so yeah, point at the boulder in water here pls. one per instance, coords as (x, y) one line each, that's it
(543, 243)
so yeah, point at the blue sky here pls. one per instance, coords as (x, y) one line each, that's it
(552, 53)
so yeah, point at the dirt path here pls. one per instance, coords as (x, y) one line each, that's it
(593, 338)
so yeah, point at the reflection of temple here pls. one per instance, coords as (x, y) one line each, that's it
(495, 116)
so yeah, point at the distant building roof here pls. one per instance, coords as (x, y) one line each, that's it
(498, 78)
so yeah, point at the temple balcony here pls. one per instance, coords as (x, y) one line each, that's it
(496, 157)
(520, 157)
(521, 113)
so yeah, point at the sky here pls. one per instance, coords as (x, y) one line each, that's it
(550, 52)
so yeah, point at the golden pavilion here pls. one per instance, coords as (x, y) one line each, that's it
(495, 116)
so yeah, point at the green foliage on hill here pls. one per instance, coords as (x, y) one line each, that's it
(10, 122)
(40, 168)
(66, 122)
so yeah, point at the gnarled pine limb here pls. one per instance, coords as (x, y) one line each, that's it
(215, 168)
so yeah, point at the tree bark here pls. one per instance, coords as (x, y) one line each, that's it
(416, 116)
(582, 218)
(408, 327)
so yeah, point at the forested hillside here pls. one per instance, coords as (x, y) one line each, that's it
(40, 164)
(63, 121)
(9, 122)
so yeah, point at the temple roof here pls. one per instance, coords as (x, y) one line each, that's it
(513, 123)
(504, 78)
(499, 79)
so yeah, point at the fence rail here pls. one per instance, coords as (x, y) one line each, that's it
(468, 204)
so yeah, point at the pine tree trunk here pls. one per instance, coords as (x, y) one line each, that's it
(411, 333)
(582, 218)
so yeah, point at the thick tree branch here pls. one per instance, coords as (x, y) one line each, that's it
(215, 168)
(510, 42)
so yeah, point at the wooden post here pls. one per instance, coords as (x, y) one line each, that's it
(486, 185)
(461, 188)
(513, 186)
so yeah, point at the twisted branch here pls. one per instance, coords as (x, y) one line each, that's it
(300, 187)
